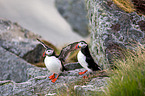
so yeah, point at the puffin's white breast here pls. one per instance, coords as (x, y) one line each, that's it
(53, 64)
(82, 60)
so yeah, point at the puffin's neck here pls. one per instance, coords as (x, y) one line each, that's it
(85, 51)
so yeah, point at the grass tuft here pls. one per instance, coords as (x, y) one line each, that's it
(129, 77)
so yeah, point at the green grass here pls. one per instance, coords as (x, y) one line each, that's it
(129, 77)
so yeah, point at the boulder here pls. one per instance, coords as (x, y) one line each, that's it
(13, 67)
(17, 76)
(20, 41)
(39, 84)
(72, 66)
(75, 13)
(94, 87)
(112, 30)
(16, 39)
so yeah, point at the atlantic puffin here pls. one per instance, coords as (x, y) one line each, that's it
(53, 62)
(85, 59)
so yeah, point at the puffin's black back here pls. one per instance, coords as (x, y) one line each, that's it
(89, 59)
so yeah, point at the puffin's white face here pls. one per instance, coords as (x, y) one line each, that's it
(48, 52)
(82, 44)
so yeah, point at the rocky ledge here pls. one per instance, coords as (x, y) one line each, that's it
(18, 77)
(41, 85)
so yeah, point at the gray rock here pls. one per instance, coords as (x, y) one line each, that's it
(94, 87)
(74, 11)
(36, 71)
(20, 48)
(16, 39)
(4, 25)
(112, 30)
(20, 41)
(32, 80)
(18, 77)
(39, 85)
(13, 67)
(35, 56)
(72, 66)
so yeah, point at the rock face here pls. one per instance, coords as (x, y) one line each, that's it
(39, 84)
(74, 11)
(15, 42)
(92, 86)
(16, 39)
(12, 67)
(112, 30)
(20, 41)
(18, 46)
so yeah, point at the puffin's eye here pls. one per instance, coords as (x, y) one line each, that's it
(82, 43)
(48, 51)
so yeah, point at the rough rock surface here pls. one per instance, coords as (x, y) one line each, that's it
(12, 67)
(17, 77)
(16, 39)
(74, 11)
(112, 30)
(20, 78)
(20, 41)
(95, 84)
(39, 84)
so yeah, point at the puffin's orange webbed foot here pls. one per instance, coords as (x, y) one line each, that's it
(81, 73)
(53, 80)
(52, 76)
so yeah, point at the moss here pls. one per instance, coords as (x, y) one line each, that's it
(40, 64)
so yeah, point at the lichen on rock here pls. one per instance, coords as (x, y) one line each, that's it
(109, 24)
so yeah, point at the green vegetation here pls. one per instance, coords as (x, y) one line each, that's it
(129, 77)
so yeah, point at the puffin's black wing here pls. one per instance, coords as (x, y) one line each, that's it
(92, 64)
(44, 45)
(66, 50)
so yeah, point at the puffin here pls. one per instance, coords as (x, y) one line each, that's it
(53, 62)
(85, 59)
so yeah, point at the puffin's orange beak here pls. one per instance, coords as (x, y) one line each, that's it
(44, 54)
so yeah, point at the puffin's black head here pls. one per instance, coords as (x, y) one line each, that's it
(81, 44)
(48, 52)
